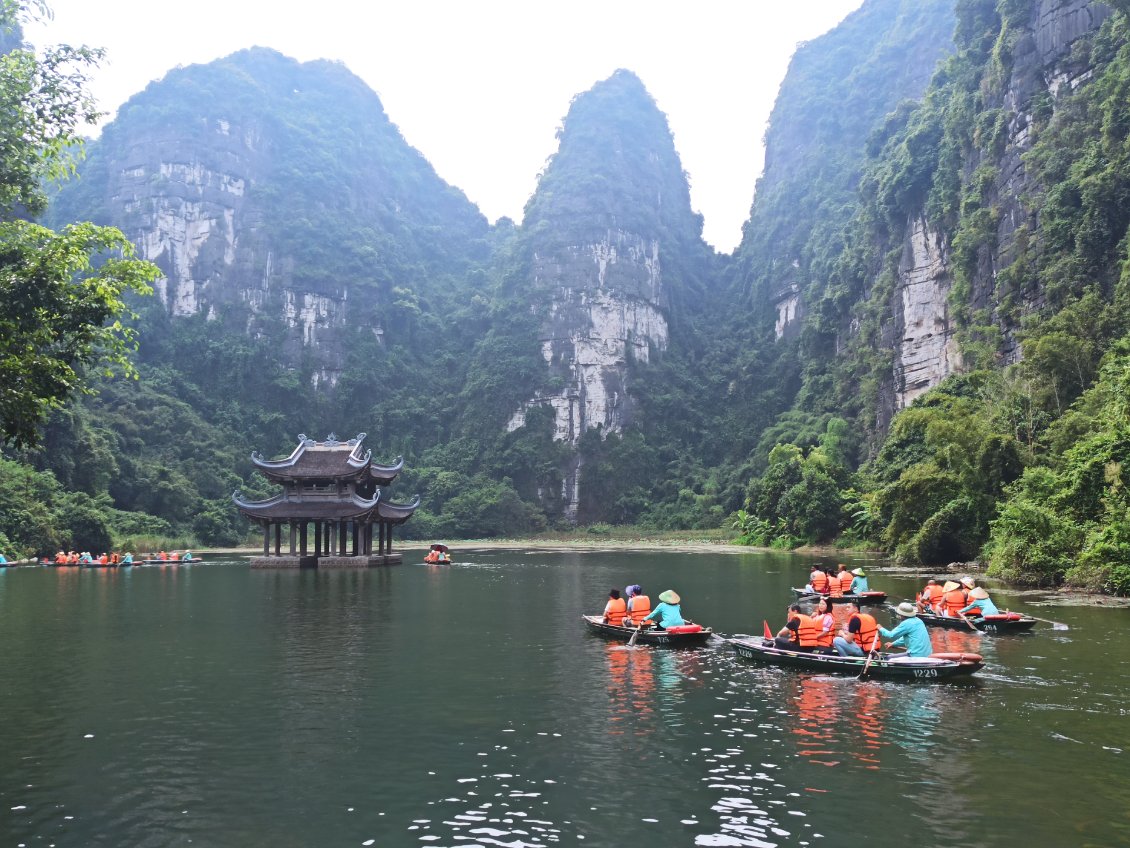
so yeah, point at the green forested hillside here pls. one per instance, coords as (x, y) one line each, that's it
(352, 290)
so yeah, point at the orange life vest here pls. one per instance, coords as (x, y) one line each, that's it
(60, 559)
(114, 558)
(824, 637)
(72, 558)
(932, 594)
(837, 588)
(868, 627)
(641, 608)
(432, 557)
(953, 601)
(808, 629)
(615, 610)
(845, 578)
(103, 560)
(819, 581)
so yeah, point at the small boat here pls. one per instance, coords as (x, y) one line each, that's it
(883, 667)
(434, 554)
(176, 561)
(686, 636)
(861, 598)
(1005, 622)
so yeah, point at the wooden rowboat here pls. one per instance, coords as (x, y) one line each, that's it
(676, 638)
(1010, 622)
(862, 598)
(884, 667)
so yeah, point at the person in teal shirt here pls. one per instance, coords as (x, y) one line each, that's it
(127, 559)
(859, 582)
(668, 611)
(910, 633)
(981, 604)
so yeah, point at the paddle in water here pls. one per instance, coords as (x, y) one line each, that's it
(1056, 625)
(870, 655)
(636, 635)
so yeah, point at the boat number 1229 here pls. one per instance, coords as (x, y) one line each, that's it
(925, 672)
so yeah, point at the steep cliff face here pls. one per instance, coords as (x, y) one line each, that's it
(837, 89)
(1036, 52)
(610, 211)
(270, 193)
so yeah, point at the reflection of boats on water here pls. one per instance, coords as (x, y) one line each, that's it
(932, 668)
(631, 685)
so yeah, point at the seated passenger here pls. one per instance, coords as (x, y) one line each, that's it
(668, 613)
(980, 604)
(61, 558)
(615, 609)
(818, 580)
(639, 606)
(800, 632)
(859, 582)
(845, 577)
(930, 597)
(910, 633)
(857, 636)
(953, 599)
(822, 615)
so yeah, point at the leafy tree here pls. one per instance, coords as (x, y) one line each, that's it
(57, 290)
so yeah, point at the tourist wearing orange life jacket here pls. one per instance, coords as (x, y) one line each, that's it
(953, 599)
(800, 633)
(615, 609)
(818, 580)
(844, 577)
(639, 606)
(822, 615)
(857, 635)
(61, 558)
(931, 596)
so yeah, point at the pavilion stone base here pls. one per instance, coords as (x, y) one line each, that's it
(288, 561)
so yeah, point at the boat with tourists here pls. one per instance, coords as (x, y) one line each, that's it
(438, 554)
(938, 666)
(860, 598)
(1002, 623)
(687, 635)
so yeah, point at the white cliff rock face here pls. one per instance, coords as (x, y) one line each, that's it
(927, 351)
(606, 312)
(788, 309)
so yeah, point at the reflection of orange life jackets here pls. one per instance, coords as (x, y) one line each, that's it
(819, 581)
(845, 578)
(824, 637)
(641, 608)
(868, 627)
(808, 629)
(615, 610)
(953, 601)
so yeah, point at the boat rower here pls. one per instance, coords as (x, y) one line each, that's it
(910, 633)
(859, 582)
(980, 604)
(668, 613)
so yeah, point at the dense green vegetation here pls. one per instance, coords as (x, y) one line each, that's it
(1017, 460)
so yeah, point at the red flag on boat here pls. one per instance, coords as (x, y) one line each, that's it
(768, 632)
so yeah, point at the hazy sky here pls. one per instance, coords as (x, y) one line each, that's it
(480, 88)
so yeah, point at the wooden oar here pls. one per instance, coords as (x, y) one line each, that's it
(635, 636)
(870, 654)
(967, 621)
(1056, 625)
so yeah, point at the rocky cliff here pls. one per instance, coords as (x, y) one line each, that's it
(1037, 65)
(609, 239)
(273, 193)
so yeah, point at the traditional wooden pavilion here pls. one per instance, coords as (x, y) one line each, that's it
(334, 489)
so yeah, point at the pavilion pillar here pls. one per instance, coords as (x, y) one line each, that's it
(317, 538)
(384, 533)
(302, 537)
(278, 539)
(342, 536)
(356, 548)
(266, 538)
(292, 536)
(389, 544)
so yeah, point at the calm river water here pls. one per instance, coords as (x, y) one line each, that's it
(467, 705)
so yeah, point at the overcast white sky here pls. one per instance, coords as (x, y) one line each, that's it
(480, 86)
